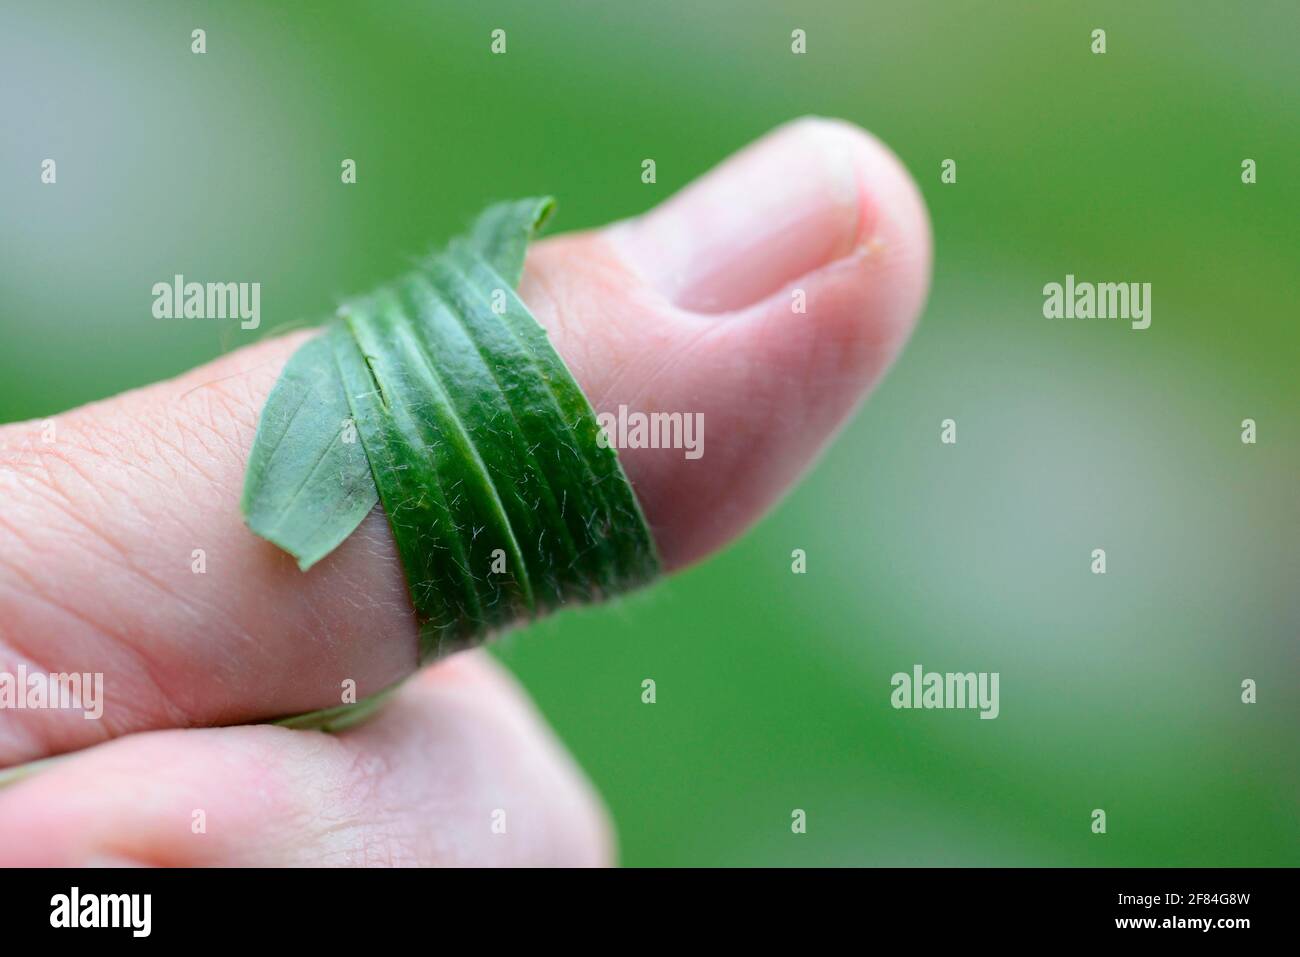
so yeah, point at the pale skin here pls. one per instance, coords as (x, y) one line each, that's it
(686, 308)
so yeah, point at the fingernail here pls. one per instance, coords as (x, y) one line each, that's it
(773, 212)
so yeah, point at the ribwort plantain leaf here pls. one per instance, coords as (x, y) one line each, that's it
(471, 433)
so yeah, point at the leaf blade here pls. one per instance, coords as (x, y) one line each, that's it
(502, 232)
(307, 488)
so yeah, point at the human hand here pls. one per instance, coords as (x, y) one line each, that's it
(687, 308)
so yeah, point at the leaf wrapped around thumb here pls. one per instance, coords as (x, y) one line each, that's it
(441, 397)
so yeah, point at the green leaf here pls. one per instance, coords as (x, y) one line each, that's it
(476, 440)
(502, 232)
(307, 486)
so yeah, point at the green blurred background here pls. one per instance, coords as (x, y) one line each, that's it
(1119, 692)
